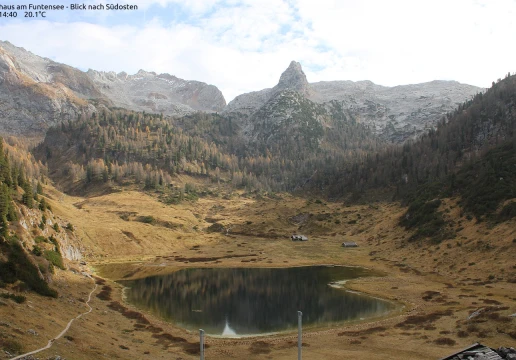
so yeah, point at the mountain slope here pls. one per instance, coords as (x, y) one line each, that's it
(164, 93)
(470, 158)
(29, 100)
(395, 113)
(37, 92)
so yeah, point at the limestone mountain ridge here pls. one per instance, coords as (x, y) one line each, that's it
(393, 113)
(37, 92)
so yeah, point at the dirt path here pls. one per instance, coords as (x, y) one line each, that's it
(51, 341)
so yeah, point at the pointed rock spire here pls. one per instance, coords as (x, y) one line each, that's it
(293, 79)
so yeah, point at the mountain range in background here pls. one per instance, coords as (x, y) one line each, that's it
(393, 113)
(36, 93)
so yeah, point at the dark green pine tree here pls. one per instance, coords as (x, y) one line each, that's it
(5, 204)
(39, 188)
(28, 196)
(5, 168)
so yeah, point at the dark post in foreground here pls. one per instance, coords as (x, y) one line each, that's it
(201, 342)
(299, 334)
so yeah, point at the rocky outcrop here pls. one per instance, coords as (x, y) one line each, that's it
(164, 93)
(394, 113)
(30, 224)
(271, 115)
(29, 101)
(293, 79)
(36, 92)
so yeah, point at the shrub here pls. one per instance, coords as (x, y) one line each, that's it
(11, 346)
(53, 240)
(428, 222)
(445, 341)
(54, 257)
(149, 219)
(421, 213)
(7, 272)
(507, 212)
(216, 228)
(42, 204)
(20, 267)
(105, 293)
(69, 226)
(40, 239)
(20, 299)
(36, 250)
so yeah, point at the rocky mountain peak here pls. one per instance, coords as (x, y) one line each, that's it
(37, 92)
(394, 113)
(293, 79)
(144, 73)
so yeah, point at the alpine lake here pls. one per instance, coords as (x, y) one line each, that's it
(237, 302)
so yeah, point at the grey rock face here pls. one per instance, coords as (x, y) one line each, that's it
(36, 92)
(30, 101)
(248, 103)
(164, 93)
(400, 112)
(394, 113)
(293, 79)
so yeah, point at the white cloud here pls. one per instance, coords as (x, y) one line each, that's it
(244, 45)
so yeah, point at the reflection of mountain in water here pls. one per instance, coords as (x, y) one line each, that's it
(228, 331)
(253, 301)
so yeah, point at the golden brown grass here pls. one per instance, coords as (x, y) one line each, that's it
(439, 285)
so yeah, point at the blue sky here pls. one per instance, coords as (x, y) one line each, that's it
(244, 45)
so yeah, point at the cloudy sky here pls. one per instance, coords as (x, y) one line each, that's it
(245, 45)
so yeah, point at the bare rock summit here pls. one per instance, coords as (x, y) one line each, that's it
(36, 92)
(393, 113)
(164, 93)
(293, 79)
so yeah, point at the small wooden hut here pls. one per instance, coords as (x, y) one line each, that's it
(298, 238)
(349, 244)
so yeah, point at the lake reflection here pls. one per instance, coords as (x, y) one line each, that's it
(233, 302)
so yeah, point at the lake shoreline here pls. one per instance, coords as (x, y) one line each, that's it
(280, 283)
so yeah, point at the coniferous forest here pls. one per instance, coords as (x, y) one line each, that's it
(20, 185)
(339, 159)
